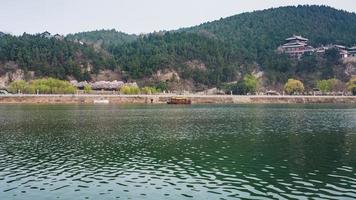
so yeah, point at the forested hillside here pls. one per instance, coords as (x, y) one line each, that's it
(173, 50)
(52, 57)
(243, 43)
(211, 54)
(102, 37)
(260, 32)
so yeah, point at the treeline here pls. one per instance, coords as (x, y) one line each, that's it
(259, 33)
(154, 52)
(42, 86)
(209, 54)
(56, 86)
(52, 57)
(309, 68)
(103, 38)
(237, 45)
(223, 62)
(249, 84)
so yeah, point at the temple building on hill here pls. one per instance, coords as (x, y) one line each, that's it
(296, 46)
(46, 34)
(342, 50)
(58, 37)
(352, 52)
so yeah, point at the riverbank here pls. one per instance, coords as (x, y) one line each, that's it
(162, 99)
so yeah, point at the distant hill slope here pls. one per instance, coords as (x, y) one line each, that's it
(208, 54)
(268, 28)
(102, 37)
(238, 43)
(51, 57)
(207, 61)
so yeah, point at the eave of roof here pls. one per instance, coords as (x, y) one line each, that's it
(297, 38)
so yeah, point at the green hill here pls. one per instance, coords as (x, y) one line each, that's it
(208, 54)
(51, 57)
(265, 30)
(241, 44)
(102, 37)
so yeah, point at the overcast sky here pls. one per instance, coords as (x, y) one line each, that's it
(131, 16)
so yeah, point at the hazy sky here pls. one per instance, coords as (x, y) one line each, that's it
(131, 16)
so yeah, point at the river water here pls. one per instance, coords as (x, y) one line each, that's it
(178, 152)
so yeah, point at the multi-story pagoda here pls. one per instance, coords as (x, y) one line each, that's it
(296, 46)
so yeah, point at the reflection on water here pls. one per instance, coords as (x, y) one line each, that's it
(178, 152)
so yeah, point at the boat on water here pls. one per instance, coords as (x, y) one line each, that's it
(179, 100)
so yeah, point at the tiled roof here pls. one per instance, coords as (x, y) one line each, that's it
(296, 37)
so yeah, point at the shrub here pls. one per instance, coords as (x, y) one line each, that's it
(129, 89)
(351, 86)
(87, 88)
(293, 86)
(149, 90)
(53, 86)
(162, 86)
(248, 85)
(330, 85)
(227, 87)
(18, 86)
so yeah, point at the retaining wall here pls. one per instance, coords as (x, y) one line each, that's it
(162, 99)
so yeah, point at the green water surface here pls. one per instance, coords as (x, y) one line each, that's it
(178, 152)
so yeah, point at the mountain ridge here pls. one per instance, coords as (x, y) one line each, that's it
(227, 48)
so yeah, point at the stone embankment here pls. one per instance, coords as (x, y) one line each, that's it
(162, 99)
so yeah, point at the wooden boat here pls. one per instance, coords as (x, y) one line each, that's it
(179, 100)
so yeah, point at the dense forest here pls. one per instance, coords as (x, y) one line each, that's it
(52, 57)
(171, 50)
(211, 53)
(103, 38)
(261, 31)
(243, 43)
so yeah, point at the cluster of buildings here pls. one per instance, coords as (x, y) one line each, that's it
(103, 85)
(48, 35)
(297, 46)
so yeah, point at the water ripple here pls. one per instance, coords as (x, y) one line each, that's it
(161, 152)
